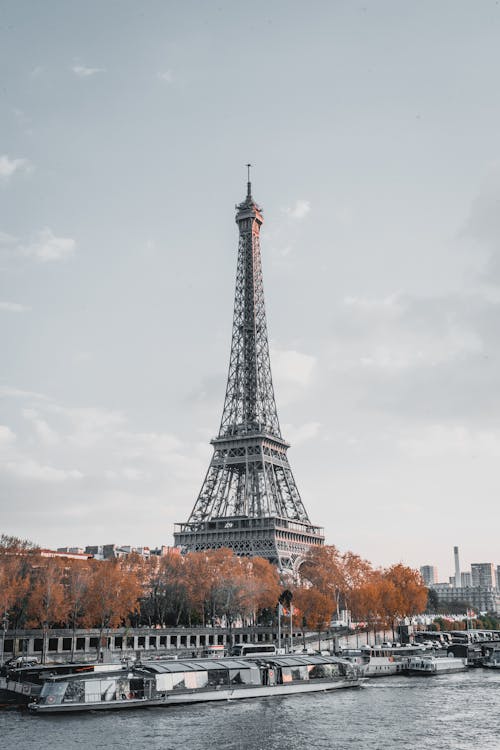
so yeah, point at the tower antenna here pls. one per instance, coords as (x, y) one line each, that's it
(249, 184)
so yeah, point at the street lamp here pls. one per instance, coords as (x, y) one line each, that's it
(5, 623)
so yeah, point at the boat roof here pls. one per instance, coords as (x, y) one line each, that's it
(197, 665)
(202, 665)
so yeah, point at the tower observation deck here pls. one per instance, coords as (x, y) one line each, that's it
(249, 501)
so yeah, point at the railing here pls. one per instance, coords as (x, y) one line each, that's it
(98, 698)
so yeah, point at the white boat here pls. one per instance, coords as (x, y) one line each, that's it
(167, 683)
(433, 665)
(381, 661)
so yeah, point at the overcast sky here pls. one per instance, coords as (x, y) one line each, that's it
(374, 128)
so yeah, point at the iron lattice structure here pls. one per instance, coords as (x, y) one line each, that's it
(249, 501)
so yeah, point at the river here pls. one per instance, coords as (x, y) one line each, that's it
(446, 712)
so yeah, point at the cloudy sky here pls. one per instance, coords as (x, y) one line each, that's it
(374, 128)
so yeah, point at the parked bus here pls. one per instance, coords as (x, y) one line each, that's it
(254, 649)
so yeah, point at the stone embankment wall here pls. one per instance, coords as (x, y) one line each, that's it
(84, 645)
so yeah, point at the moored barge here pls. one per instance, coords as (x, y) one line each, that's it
(167, 683)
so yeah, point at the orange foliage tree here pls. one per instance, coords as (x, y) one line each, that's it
(316, 609)
(47, 603)
(113, 594)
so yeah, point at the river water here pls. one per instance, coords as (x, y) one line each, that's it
(446, 712)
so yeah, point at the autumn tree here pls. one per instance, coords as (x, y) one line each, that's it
(47, 603)
(205, 573)
(316, 609)
(334, 574)
(406, 593)
(261, 587)
(76, 584)
(165, 601)
(113, 594)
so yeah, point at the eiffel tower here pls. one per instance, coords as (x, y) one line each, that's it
(249, 501)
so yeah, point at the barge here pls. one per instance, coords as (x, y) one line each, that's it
(433, 665)
(170, 683)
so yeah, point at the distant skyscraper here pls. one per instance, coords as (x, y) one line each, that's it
(429, 574)
(498, 576)
(483, 574)
(458, 580)
(466, 579)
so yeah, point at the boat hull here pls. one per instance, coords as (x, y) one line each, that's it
(199, 696)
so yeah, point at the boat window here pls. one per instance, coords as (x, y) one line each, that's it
(196, 680)
(218, 677)
(163, 682)
(53, 692)
(323, 671)
(293, 674)
(75, 692)
(244, 676)
(178, 681)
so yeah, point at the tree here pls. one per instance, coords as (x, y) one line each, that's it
(335, 574)
(408, 592)
(261, 587)
(315, 608)
(166, 600)
(113, 594)
(47, 603)
(76, 583)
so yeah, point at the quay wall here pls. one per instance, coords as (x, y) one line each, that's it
(117, 643)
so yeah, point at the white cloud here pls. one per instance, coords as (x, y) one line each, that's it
(441, 440)
(293, 373)
(399, 332)
(47, 247)
(7, 240)
(291, 366)
(302, 433)
(7, 391)
(6, 435)
(45, 433)
(34, 471)
(84, 72)
(9, 166)
(166, 76)
(13, 307)
(299, 210)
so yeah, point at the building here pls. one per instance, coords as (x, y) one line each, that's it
(458, 579)
(429, 574)
(249, 500)
(466, 579)
(117, 551)
(71, 550)
(63, 554)
(483, 574)
(479, 598)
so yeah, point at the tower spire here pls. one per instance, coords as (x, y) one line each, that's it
(249, 500)
(249, 184)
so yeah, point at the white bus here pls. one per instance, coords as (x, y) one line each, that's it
(254, 649)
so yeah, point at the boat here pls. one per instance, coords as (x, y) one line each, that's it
(433, 665)
(170, 683)
(381, 661)
(21, 685)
